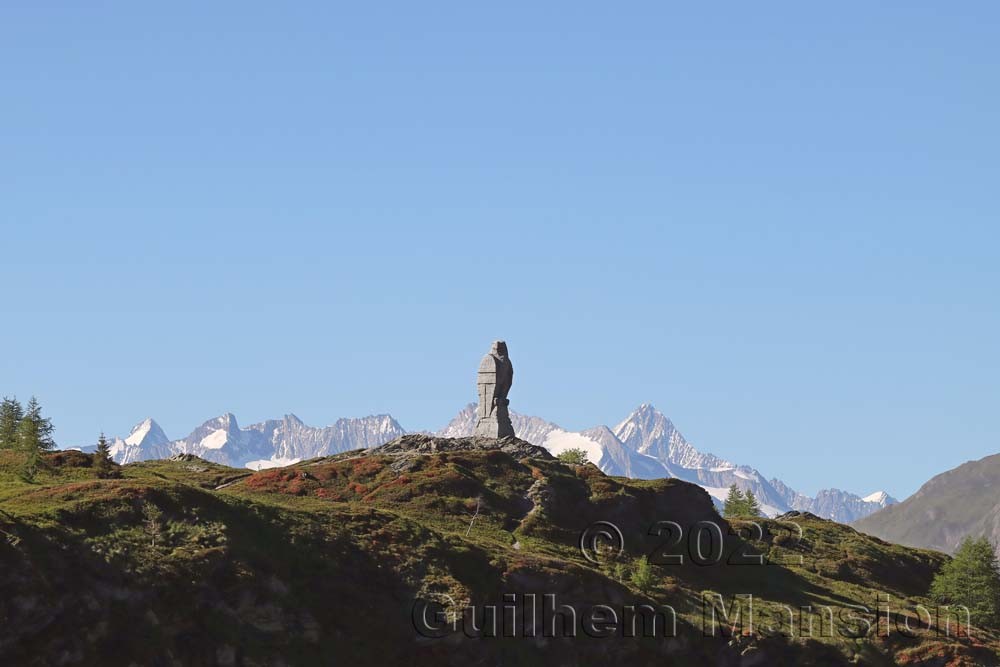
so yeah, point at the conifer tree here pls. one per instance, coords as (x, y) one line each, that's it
(152, 519)
(735, 503)
(971, 578)
(104, 465)
(751, 507)
(34, 430)
(34, 436)
(11, 414)
(30, 466)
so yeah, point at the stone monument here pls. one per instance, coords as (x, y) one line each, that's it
(496, 374)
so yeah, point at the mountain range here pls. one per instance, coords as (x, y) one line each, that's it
(267, 444)
(645, 445)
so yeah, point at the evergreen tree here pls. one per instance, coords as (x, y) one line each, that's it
(34, 430)
(30, 466)
(642, 575)
(735, 503)
(152, 519)
(971, 578)
(751, 507)
(104, 465)
(34, 436)
(11, 414)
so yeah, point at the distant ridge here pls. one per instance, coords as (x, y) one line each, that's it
(271, 443)
(644, 445)
(959, 503)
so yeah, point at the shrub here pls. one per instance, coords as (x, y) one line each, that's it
(573, 455)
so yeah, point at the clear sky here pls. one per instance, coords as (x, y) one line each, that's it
(778, 222)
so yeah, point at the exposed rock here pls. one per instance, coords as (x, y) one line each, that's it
(796, 514)
(187, 458)
(419, 443)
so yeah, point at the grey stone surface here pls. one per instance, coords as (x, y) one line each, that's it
(419, 443)
(496, 374)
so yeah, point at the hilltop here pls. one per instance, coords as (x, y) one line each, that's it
(644, 445)
(329, 560)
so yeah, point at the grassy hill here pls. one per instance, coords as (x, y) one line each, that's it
(332, 561)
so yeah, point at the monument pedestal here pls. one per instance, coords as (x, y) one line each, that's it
(497, 423)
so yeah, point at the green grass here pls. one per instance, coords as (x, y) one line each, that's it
(321, 562)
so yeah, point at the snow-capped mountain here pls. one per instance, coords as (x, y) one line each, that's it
(644, 445)
(846, 507)
(275, 442)
(880, 497)
(290, 439)
(834, 503)
(647, 445)
(532, 429)
(146, 441)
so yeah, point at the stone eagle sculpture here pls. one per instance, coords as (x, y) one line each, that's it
(496, 374)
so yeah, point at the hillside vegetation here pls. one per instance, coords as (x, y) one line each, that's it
(185, 562)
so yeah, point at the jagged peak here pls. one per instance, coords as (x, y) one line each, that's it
(379, 416)
(880, 497)
(226, 421)
(146, 429)
(645, 413)
(379, 419)
(145, 423)
(645, 409)
(644, 418)
(600, 428)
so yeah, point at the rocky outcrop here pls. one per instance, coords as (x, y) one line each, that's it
(419, 443)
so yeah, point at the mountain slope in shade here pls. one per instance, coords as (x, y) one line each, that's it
(647, 445)
(959, 503)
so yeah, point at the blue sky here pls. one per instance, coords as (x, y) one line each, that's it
(778, 223)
